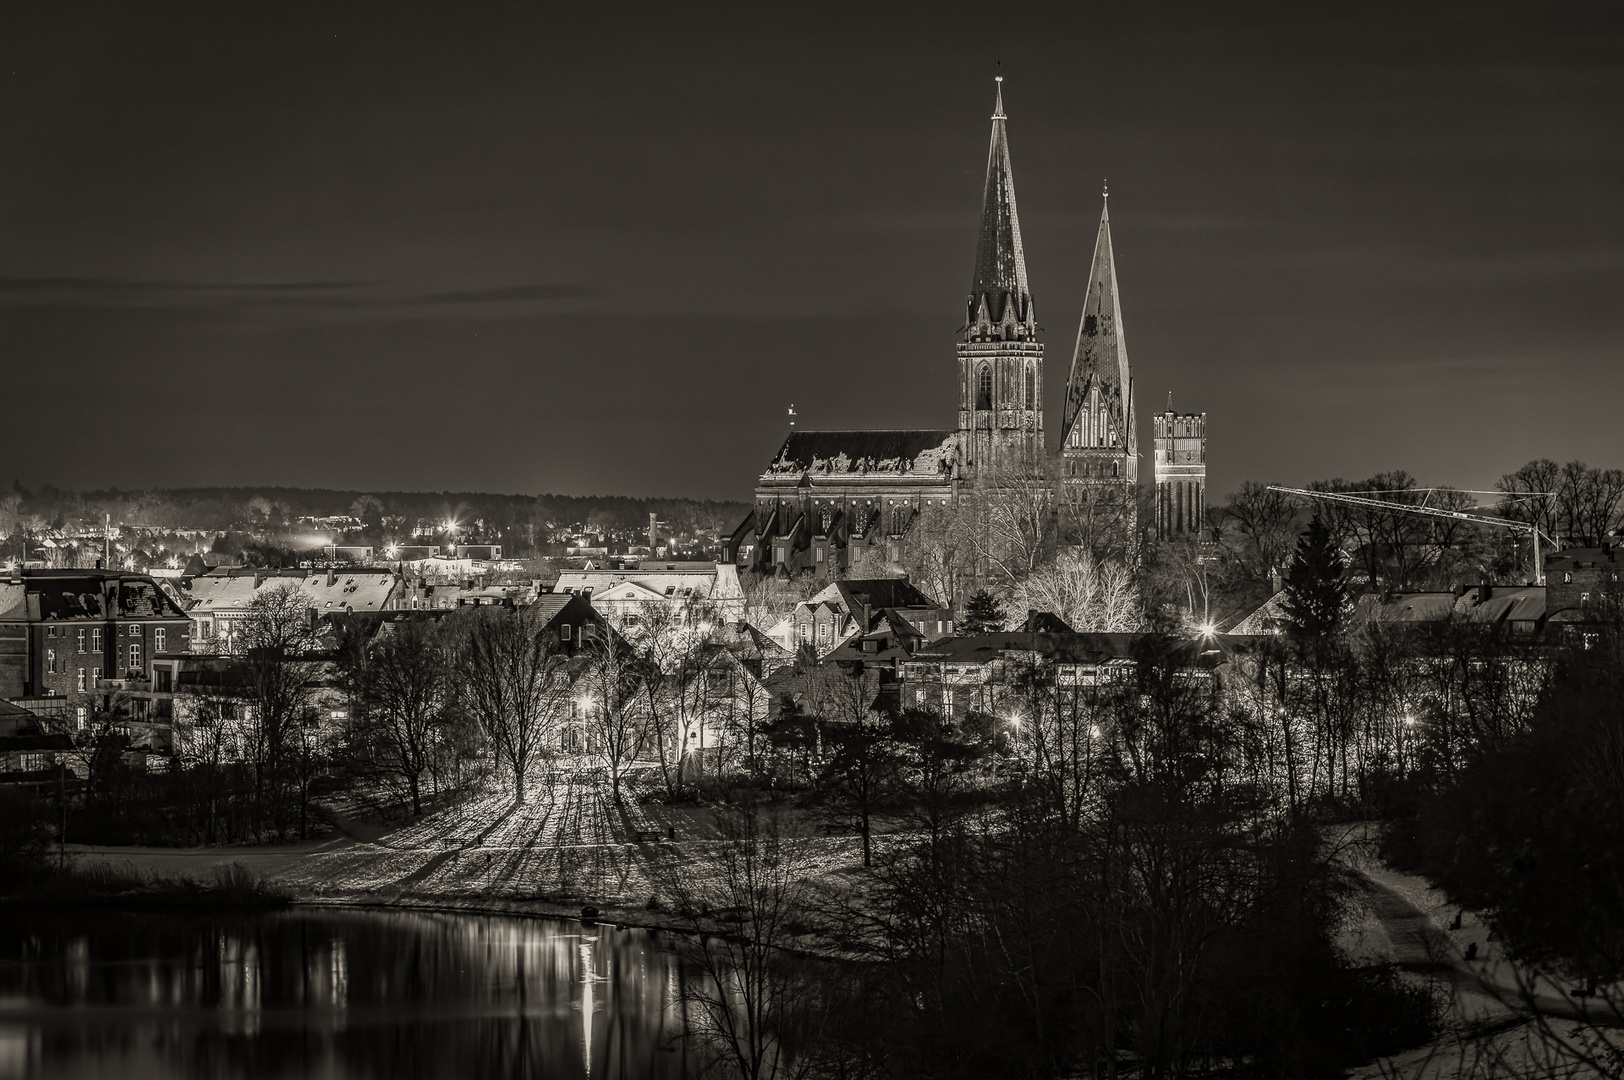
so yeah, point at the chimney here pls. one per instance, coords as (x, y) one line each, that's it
(1485, 590)
(259, 578)
(1275, 583)
(332, 576)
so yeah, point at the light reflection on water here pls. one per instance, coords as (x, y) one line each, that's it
(358, 994)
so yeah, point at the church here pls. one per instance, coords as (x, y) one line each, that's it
(839, 502)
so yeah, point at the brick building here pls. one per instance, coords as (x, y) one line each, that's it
(1181, 473)
(74, 633)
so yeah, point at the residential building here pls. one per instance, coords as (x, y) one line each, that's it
(76, 634)
(622, 594)
(220, 600)
(889, 613)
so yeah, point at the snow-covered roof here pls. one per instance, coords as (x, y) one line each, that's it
(357, 590)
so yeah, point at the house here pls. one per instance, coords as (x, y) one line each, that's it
(622, 594)
(1516, 609)
(77, 634)
(219, 600)
(888, 607)
(1580, 581)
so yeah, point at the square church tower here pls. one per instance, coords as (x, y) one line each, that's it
(1181, 473)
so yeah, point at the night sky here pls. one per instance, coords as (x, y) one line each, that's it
(511, 248)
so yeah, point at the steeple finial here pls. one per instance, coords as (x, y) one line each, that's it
(998, 106)
(1105, 189)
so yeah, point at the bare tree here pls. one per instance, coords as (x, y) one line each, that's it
(614, 715)
(938, 552)
(755, 1009)
(1264, 518)
(1013, 522)
(677, 646)
(1088, 594)
(1530, 494)
(278, 685)
(515, 681)
(407, 703)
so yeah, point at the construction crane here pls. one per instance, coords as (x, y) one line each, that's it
(1433, 511)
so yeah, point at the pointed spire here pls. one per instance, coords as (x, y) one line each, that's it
(1101, 358)
(1000, 270)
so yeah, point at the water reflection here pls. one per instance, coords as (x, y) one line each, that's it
(332, 994)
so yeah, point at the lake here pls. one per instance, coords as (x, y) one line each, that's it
(332, 993)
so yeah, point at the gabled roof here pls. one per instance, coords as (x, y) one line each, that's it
(897, 592)
(362, 590)
(894, 452)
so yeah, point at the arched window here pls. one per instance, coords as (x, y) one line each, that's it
(984, 388)
(1031, 387)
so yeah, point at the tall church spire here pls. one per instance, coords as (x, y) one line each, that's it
(1099, 391)
(1000, 304)
(1000, 357)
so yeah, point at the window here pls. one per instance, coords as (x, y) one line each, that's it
(984, 388)
(919, 697)
(79, 683)
(1567, 579)
(947, 698)
(823, 631)
(160, 638)
(806, 632)
(79, 715)
(564, 633)
(79, 639)
(95, 640)
(50, 661)
(1031, 387)
(135, 656)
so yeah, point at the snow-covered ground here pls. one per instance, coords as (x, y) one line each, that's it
(1503, 1020)
(569, 844)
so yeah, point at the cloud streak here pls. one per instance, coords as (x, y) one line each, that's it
(326, 296)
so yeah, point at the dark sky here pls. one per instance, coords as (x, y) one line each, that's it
(503, 248)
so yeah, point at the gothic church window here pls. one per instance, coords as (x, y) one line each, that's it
(1031, 387)
(984, 388)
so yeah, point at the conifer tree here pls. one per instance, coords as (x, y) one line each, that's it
(983, 614)
(1316, 586)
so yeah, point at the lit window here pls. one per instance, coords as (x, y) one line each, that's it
(135, 656)
(79, 715)
(95, 640)
(50, 661)
(160, 637)
(79, 639)
(79, 683)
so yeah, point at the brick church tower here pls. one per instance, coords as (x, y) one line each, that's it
(1181, 473)
(1000, 358)
(1098, 440)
